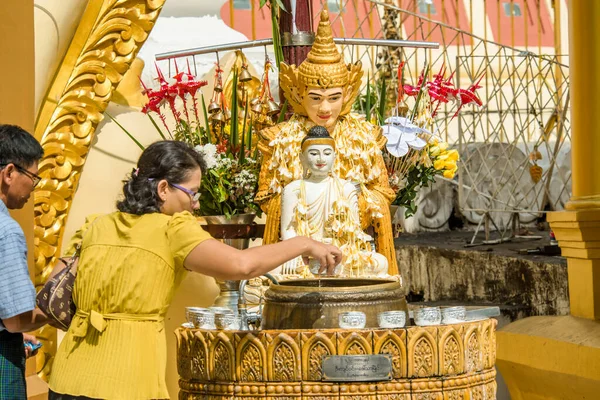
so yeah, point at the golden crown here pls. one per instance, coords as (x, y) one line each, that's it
(323, 68)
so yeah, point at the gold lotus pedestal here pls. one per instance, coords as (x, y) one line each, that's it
(437, 362)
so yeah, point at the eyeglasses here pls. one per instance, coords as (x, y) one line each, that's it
(195, 196)
(35, 178)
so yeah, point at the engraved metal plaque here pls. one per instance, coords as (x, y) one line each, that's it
(359, 368)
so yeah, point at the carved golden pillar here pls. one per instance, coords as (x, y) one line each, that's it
(106, 42)
(578, 228)
(557, 357)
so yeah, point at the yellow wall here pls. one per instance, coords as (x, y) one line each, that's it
(55, 24)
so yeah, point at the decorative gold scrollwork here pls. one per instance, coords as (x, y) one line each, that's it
(102, 50)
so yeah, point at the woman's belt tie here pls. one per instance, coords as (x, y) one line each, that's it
(98, 321)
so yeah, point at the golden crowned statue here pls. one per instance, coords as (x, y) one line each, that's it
(321, 91)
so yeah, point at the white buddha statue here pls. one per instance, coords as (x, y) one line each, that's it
(325, 208)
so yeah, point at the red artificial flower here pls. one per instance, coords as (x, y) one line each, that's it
(222, 147)
(400, 96)
(153, 105)
(468, 96)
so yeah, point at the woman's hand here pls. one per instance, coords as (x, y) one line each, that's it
(327, 255)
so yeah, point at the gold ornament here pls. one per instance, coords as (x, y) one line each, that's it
(248, 86)
(309, 141)
(279, 364)
(535, 155)
(263, 106)
(218, 117)
(213, 107)
(256, 106)
(245, 76)
(272, 107)
(536, 173)
(323, 68)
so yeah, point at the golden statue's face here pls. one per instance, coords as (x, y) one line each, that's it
(323, 106)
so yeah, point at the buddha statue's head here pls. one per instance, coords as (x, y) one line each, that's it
(323, 87)
(317, 152)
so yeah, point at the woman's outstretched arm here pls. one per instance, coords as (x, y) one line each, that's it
(221, 261)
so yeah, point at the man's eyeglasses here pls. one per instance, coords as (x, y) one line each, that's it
(35, 178)
(195, 196)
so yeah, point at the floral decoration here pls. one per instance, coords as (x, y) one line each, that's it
(221, 132)
(414, 155)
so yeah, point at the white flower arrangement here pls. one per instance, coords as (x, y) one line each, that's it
(209, 154)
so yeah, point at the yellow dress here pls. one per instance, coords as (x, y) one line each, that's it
(129, 269)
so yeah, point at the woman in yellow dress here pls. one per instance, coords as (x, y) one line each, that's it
(131, 263)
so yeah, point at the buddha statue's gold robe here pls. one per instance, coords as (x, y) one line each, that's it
(358, 145)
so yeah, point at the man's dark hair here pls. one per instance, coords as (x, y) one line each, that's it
(171, 160)
(17, 146)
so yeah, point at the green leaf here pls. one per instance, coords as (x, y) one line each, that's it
(378, 117)
(250, 135)
(242, 147)
(206, 124)
(233, 123)
(277, 48)
(126, 131)
(222, 194)
(418, 99)
(184, 131)
(368, 104)
(279, 4)
(283, 111)
(382, 99)
(162, 135)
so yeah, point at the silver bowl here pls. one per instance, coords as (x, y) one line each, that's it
(352, 320)
(221, 310)
(314, 266)
(227, 322)
(428, 316)
(190, 311)
(454, 315)
(203, 320)
(391, 319)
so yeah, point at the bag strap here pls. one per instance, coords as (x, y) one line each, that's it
(79, 245)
